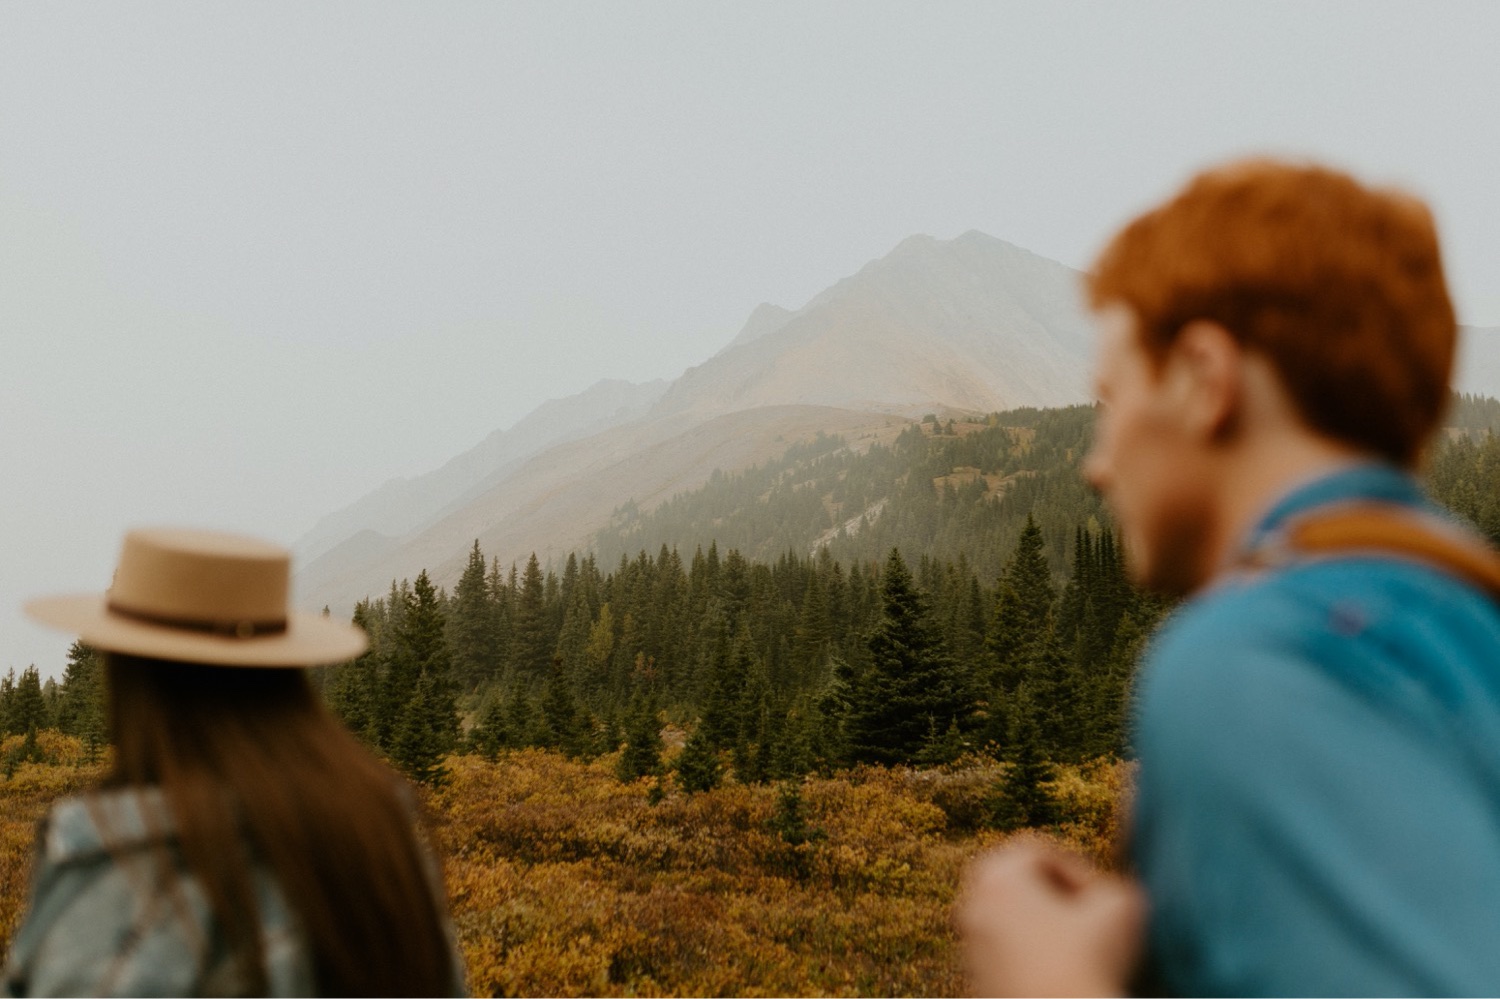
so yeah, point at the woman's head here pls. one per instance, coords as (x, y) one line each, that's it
(256, 770)
(208, 703)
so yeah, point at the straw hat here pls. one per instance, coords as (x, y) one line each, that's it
(202, 597)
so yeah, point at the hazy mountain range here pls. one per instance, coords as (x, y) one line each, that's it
(968, 325)
(972, 324)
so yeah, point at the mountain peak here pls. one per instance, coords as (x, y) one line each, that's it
(765, 319)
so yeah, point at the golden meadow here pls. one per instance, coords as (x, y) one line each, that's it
(564, 881)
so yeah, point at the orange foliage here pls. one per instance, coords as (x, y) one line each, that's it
(24, 799)
(563, 881)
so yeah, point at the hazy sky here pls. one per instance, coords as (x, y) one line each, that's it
(256, 259)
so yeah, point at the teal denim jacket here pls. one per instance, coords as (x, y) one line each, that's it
(1318, 809)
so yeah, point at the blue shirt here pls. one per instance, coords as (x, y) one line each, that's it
(1318, 810)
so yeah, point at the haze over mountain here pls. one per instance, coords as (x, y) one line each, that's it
(973, 324)
(1478, 367)
(403, 506)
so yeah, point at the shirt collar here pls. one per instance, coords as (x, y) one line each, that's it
(1372, 481)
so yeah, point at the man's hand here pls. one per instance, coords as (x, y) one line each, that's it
(1038, 921)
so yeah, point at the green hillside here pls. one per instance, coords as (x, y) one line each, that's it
(953, 492)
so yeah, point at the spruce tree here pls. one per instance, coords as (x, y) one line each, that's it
(422, 659)
(521, 723)
(352, 689)
(420, 741)
(531, 642)
(1024, 799)
(756, 731)
(791, 754)
(913, 686)
(1022, 607)
(82, 708)
(491, 734)
(27, 708)
(698, 768)
(643, 743)
(564, 726)
(1055, 702)
(722, 716)
(472, 625)
(812, 639)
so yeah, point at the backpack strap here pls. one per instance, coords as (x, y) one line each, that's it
(1386, 530)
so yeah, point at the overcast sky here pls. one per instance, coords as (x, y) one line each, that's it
(256, 259)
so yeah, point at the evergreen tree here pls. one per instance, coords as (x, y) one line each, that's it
(829, 737)
(1110, 693)
(913, 687)
(756, 731)
(1022, 607)
(420, 745)
(531, 643)
(26, 708)
(521, 722)
(564, 727)
(352, 689)
(1024, 798)
(1054, 703)
(422, 662)
(643, 743)
(812, 639)
(790, 820)
(472, 625)
(791, 752)
(82, 706)
(721, 718)
(492, 733)
(698, 768)
(573, 637)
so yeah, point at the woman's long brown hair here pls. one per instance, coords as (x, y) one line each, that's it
(253, 767)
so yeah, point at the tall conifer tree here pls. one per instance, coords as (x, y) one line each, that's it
(913, 686)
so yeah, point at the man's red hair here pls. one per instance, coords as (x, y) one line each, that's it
(1340, 286)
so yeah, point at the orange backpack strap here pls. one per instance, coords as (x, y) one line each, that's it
(1387, 530)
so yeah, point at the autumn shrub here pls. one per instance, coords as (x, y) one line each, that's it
(564, 881)
(1093, 799)
(24, 799)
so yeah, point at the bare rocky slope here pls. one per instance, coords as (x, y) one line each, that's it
(972, 324)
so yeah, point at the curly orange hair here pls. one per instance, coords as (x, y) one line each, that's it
(1340, 286)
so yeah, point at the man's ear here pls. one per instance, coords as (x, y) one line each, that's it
(1207, 367)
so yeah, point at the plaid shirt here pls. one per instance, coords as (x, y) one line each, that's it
(128, 919)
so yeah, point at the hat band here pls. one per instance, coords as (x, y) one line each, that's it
(226, 629)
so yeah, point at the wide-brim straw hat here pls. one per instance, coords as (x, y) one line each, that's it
(202, 597)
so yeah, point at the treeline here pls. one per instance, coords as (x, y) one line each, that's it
(773, 669)
(76, 707)
(1464, 475)
(1475, 414)
(994, 618)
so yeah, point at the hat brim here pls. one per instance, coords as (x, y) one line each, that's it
(309, 639)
